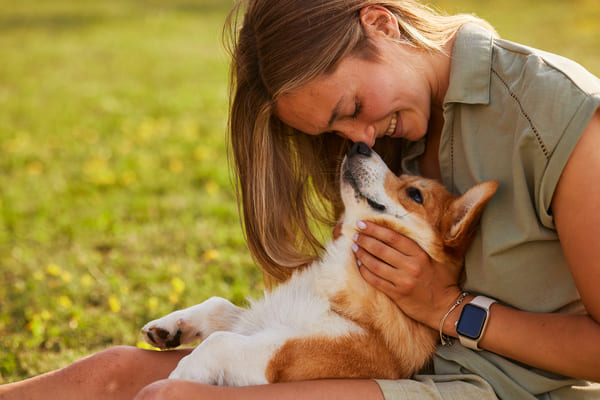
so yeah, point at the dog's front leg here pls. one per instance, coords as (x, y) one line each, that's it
(192, 324)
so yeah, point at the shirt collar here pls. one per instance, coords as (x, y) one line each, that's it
(471, 66)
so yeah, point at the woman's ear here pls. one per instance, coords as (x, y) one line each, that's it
(378, 20)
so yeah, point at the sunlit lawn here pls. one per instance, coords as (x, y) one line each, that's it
(116, 202)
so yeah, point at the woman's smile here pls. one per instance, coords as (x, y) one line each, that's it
(391, 131)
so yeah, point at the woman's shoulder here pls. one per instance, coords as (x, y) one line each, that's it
(540, 69)
(555, 95)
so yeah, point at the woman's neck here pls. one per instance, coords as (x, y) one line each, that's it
(441, 63)
(429, 164)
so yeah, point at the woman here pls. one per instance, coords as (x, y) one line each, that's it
(439, 96)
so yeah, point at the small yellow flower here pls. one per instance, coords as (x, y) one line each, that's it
(45, 315)
(211, 187)
(66, 277)
(201, 153)
(173, 298)
(86, 280)
(210, 255)
(178, 285)
(53, 270)
(98, 171)
(65, 302)
(174, 269)
(152, 304)
(113, 304)
(145, 130)
(145, 346)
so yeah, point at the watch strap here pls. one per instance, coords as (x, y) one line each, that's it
(483, 302)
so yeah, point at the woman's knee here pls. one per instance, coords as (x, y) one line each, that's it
(123, 369)
(172, 389)
(111, 368)
(156, 390)
(116, 360)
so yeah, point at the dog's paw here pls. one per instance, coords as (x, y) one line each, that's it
(192, 370)
(169, 332)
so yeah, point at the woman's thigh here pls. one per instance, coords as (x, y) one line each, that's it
(118, 373)
(328, 389)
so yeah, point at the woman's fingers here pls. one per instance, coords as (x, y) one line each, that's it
(388, 236)
(379, 283)
(395, 250)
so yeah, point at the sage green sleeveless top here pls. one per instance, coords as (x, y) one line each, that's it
(512, 114)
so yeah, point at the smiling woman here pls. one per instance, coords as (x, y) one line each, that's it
(510, 113)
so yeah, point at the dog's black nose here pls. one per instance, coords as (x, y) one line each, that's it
(360, 148)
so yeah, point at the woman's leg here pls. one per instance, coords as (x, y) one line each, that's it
(328, 389)
(116, 373)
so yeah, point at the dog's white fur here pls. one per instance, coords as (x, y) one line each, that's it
(326, 321)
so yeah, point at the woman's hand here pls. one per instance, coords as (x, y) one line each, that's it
(423, 288)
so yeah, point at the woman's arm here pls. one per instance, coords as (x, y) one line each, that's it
(561, 343)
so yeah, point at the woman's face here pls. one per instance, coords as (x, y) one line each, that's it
(363, 100)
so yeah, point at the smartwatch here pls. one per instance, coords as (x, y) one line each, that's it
(471, 324)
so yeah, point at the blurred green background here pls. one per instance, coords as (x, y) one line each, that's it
(116, 201)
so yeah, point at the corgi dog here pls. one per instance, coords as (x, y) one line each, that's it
(326, 321)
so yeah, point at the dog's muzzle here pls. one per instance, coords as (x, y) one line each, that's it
(357, 173)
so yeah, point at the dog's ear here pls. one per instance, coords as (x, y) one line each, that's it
(462, 216)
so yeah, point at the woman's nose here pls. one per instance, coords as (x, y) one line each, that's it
(365, 133)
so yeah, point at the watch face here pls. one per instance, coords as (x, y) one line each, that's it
(471, 321)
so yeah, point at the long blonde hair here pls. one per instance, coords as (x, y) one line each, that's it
(287, 182)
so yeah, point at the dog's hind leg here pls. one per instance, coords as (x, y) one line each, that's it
(231, 359)
(192, 324)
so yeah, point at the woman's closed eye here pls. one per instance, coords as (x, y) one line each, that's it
(357, 109)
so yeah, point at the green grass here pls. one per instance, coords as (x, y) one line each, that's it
(116, 203)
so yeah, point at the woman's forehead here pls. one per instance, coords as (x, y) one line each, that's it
(303, 112)
(310, 107)
(316, 102)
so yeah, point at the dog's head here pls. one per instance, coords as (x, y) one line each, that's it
(419, 208)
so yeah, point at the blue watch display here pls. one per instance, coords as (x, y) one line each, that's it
(471, 321)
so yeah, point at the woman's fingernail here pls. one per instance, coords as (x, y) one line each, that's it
(355, 237)
(361, 225)
(355, 247)
(358, 262)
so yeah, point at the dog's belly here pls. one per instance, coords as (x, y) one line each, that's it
(297, 308)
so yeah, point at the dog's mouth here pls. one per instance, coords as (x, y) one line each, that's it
(349, 178)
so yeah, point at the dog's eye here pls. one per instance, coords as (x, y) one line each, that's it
(415, 194)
